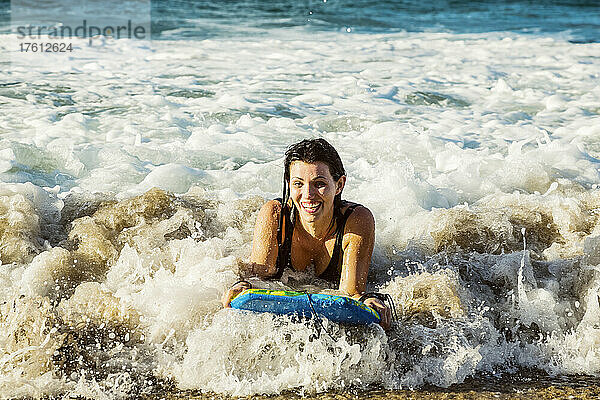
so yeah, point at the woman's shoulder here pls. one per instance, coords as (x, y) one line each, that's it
(270, 210)
(356, 207)
(273, 205)
(360, 216)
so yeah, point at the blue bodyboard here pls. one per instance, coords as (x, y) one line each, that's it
(335, 308)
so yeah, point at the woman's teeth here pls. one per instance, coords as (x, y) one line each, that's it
(311, 208)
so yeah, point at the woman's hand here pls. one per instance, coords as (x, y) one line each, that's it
(383, 311)
(236, 289)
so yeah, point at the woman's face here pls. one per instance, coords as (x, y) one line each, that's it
(312, 189)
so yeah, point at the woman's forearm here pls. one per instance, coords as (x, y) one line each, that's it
(255, 269)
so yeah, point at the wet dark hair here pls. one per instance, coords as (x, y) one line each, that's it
(312, 151)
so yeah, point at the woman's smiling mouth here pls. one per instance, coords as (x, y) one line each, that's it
(309, 207)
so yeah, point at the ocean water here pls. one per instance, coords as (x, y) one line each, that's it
(132, 171)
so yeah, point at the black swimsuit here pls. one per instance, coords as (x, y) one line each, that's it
(284, 256)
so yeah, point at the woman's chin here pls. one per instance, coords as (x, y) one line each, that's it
(310, 217)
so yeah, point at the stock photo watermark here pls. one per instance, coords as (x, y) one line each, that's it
(83, 31)
(67, 27)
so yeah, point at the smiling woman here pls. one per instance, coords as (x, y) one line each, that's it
(312, 227)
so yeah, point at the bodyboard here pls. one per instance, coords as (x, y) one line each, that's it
(335, 308)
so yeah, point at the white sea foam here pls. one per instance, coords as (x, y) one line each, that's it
(455, 142)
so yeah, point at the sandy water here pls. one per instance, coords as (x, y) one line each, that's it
(486, 388)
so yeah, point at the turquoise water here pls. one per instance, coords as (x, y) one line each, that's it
(578, 20)
(177, 19)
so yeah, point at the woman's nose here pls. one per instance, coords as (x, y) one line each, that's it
(309, 191)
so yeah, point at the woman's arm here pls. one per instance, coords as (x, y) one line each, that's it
(358, 243)
(359, 239)
(264, 244)
(264, 250)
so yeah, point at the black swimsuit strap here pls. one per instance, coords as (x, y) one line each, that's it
(334, 269)
(284, 239)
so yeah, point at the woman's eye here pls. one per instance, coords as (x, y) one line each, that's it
(297, 184)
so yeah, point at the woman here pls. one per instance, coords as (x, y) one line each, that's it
(313, 227)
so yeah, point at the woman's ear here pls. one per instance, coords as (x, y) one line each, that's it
(339, 186)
